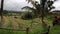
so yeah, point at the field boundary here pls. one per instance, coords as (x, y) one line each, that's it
(27, 29)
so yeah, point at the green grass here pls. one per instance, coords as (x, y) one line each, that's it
(11, 32)
(55, 30)
(35, 28)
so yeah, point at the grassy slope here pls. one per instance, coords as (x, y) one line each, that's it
(22, 24)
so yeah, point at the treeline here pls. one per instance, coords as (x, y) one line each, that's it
(6, 12)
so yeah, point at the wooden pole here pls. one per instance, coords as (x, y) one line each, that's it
(27, 30)
(2, 1)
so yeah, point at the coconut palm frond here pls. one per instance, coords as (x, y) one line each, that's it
(29, 0)
(55, 0)
(50, 3)
(51, 8)
(27, 7)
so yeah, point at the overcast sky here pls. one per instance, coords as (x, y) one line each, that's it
(18, 4)
(15, 4)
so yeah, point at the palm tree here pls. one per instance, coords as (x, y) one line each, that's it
(37, 7)
(49, 3)
(40, 8)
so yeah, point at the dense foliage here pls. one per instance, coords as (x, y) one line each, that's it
(27, 15)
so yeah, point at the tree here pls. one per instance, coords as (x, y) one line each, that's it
(41, 8)
(37, 7)
(49, 5)
(5, 12)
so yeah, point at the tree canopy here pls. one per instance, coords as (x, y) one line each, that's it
(37, 7)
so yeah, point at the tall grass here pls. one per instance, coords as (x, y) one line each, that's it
(36, 25)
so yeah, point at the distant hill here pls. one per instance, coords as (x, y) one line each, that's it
(56, 11)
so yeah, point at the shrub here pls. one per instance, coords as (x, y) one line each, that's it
(27, 16)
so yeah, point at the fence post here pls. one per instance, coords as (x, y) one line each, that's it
(27, 30)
